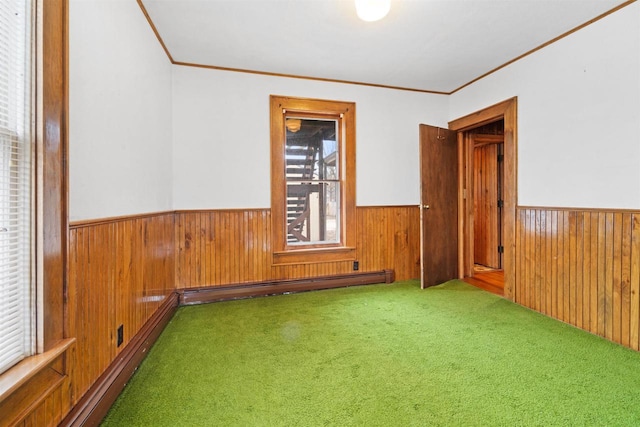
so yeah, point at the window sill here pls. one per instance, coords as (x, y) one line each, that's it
(22, 372)
(314, 256)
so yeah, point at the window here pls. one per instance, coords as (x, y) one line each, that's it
(312, 180)
(17, 338)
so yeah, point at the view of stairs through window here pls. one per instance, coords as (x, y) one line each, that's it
(313, 181)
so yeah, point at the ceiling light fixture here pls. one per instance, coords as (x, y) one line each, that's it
(372, 10)
(293, 125)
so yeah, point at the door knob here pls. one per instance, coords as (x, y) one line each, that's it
(425, 206)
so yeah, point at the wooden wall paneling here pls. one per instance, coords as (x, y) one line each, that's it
(365, 257)
(72, 307)
(218, 250)
(544, 261)
(374, 225)
(183, 252)
(525, 260)
(179, 250)
(608, 276)
(264, 228)
(572, 283)
(554, 264)
(207, 247)
(581, 267)
(389, 237)
(125, 266)
(120, 272)
(634, 310)
(523, 290)
(579, 281)
(518, 267)
(616, 282)
(50, 410)
(563, 254)
(530, 259)
(625, 280)
(595, 324)
(222, 247)
(536, 265)
(405, 227)
(528, 294)
(225, 246)
(585, 256)
(234, 234)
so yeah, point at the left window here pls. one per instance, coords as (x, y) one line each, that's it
(17, 304)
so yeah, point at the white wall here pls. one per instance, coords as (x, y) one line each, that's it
(147, 136)
(221, 137)
(119, 112)
(579, 115)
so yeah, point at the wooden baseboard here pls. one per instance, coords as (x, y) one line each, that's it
(221, 293)
(95, 403)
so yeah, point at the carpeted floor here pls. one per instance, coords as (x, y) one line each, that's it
(380, 355)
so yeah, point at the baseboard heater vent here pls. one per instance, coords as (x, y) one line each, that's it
(192, 296)
(95, 403)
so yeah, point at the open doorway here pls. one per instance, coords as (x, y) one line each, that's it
(487, 196)
(446, 160)
(484, 146)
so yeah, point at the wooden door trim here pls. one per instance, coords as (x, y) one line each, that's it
(508, 111)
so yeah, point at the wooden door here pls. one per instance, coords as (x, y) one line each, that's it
(439, 205)
(487, 201)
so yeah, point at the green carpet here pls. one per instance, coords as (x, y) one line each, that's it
(380, 355)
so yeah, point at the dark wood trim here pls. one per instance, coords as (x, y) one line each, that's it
(192, 211)
(21, 403)
(155, 31)
(294, 76)
(192, 296)
(482, 117)
(96, 402)
(51, 133)
(114, 219)
(577, 209)
(24, 371)
(314, 255)
(387, 206)
(543, 45)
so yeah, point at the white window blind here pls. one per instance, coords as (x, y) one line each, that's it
(16, 287)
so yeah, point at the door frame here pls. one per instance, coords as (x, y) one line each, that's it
(508, 111)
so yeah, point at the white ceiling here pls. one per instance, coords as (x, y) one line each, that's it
(431, 45)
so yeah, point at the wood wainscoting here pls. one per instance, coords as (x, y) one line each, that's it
(124, 271)
(581, 266)
(120, 271)
(218, 247)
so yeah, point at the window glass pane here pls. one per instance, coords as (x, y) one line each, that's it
(313, 212)
(16, 334)
(313, 181)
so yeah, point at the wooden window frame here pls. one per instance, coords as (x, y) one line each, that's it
(345, 249)
(51, 205)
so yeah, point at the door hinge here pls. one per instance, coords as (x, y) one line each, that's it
(500, 157)
(500, 203)
(500, 249)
